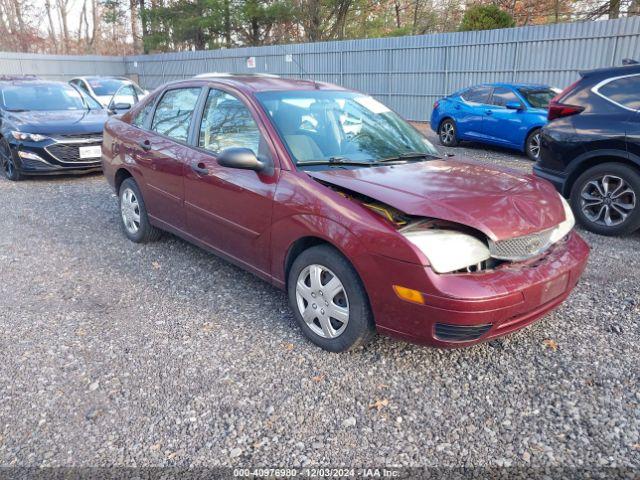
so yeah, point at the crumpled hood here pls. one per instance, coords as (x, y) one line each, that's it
(500, 203)
(64, 122)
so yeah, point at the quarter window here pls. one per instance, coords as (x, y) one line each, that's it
(226, 123)
(477, 94)
(501, 96)
(173, 114)
(624, 91)
(141, 116)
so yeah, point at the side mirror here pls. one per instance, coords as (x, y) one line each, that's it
(120, 106)
(242, 158)
(514, 106)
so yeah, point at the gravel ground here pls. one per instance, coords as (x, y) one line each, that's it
(118, 354)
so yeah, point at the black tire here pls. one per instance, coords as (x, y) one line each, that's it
(617, 172)
(532, 145)
(448, 133)
(145, 232)
(360, 326)
(7, 163)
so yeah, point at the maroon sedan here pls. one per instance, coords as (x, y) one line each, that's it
(327, 193)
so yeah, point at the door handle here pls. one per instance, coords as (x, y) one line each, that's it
(457, 107)
(145, 145)
(489, 112)
(200, 168)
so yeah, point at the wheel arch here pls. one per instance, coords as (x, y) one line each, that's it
(593, 159)
(529, 131)
(446, 117)
(300, 245)
(121, 175)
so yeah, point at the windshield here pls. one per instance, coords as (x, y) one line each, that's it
(325, 126)
(45, 97)
(105, 86)
(538, 98)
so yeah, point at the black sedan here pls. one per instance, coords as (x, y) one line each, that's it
(48, 127)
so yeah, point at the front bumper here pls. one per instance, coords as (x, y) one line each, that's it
(558, 180)
(463, 309)
(54, 156)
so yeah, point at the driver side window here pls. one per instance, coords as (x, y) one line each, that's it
(226, 123)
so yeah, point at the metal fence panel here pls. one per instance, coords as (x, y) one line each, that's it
(407, 73)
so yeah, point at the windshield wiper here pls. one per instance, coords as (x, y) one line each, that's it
(408, 156)
(338, 161)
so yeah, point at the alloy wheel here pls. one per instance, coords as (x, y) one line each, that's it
(322, 301)
(130, 211)
(7, 162)
(447, 133)
(534, 145)
(607, 200)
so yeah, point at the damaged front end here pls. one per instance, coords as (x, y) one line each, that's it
(453, 248)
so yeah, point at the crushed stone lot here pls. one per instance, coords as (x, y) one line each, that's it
(114, 353)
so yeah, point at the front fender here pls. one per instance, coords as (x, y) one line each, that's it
(288, 230)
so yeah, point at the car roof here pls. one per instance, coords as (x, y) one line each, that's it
(517, 85)
(612, 71)
(98, 77)
(30, 81)
(259, 83)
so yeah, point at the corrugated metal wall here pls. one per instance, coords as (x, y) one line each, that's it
(410, 73)
(407, 73)
(60, 67)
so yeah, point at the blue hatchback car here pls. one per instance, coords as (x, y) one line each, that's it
(505, 114)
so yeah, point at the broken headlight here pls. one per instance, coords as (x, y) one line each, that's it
(447, 250)
(565, 227)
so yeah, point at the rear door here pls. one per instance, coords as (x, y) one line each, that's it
(624, 92)
(469, 112)
(162, 151)
(501, 124)
(230, 209)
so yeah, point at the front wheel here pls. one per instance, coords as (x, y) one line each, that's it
(329, 300)
(7, 163)
(447, 133)
(606, 199)
(532, 145)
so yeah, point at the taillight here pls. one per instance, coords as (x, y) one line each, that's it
(436, 104)
(558, 109)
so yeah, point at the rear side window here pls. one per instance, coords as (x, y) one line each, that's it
(501, 96)
(477, 94)
(174, 111)
(624, 91)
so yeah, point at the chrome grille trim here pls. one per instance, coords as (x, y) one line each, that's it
(65, 146)
(521, 248)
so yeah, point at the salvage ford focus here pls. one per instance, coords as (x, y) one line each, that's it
(328, 194)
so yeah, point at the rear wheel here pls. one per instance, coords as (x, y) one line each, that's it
(606, 199)
(447, 133)
(532, 145)
(329, 300)
(7, 163)
(133, 214)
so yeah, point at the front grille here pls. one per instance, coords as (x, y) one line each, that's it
(460, 333)
(70, 152)
(521, 248)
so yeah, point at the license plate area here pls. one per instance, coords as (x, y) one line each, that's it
(93, 151)
(554, 288)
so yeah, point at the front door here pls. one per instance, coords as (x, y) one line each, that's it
(230, 209)
(501, 124)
